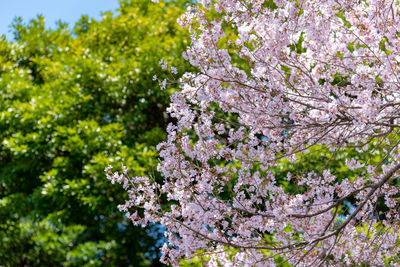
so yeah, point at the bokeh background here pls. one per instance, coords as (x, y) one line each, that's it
(77, 94)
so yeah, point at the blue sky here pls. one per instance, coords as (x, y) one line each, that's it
(53, 10)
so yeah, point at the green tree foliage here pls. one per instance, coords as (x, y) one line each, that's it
(72, 102)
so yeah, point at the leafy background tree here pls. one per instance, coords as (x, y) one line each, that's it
(73, 101)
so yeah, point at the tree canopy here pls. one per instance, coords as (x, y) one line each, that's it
(73, 101)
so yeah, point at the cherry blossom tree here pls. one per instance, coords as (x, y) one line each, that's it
(277, 82)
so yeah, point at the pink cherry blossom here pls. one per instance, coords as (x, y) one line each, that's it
(276, 81)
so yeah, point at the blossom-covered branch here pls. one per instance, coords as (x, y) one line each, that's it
(279, 82)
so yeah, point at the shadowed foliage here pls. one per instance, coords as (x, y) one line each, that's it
(72, 102)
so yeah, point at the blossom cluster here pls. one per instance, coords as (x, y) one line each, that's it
(274, 80)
